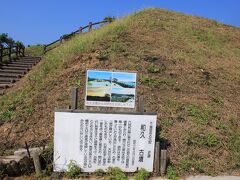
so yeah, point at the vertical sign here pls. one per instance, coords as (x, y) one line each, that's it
(110, 89)
(98, 141)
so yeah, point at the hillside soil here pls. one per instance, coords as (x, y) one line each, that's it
(188, 72)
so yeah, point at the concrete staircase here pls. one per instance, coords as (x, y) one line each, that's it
(14, 70)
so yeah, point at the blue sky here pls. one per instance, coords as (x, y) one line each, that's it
(125, 77)
(43, 21)
(99, 74)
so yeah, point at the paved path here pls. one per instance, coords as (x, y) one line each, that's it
(213, 178)
(203, 178)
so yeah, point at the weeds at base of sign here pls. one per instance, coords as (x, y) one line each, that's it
(99, 173)
(142, 174)
(111, 173)
(115, 173)
(171, 173)
(74, 171)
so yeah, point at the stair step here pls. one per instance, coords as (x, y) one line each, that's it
(4, 86)
(23, 63)
(14, 68)
(3, 82)
(7, 80)
(10, 75)
(27, 61)
(13, 71)
(31, 57)
(19, 65)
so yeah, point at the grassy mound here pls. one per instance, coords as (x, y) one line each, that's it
(188, 71)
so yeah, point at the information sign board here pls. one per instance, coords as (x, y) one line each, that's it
(98, 141)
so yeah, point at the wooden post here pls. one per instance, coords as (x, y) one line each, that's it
(44, 49)
(141, 104)
(74, 97)
(10, 52)
(23, 51)
(157, 158)
(37, 164)
(26, 145)
(163, 165)
(61, 40)
(16, 51)
(1, 53)
(80, 29)
(90, 26)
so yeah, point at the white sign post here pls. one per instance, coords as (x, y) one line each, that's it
(98, 141)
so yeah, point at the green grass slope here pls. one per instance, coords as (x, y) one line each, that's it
(188, 71)
(34, 50)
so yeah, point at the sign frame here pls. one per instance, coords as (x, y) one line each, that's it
(104, 104)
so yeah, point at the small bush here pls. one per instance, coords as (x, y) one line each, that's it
(153, 69)
(142, 174)
(103, 55)
(171, 173)
(209, 140)
(47, 159)
(184, 165)
(161, 83)
(74, 170)
(6, 115)
(100, 172)
(234, 146)
(115, 173)
(199, 115)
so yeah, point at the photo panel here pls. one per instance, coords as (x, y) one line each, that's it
(110, 89)
(98, 94)
(123, 80)
(99, 79)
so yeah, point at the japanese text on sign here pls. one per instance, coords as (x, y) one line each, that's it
(98, 141)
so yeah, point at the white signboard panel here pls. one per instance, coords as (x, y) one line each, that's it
(110, 89)
(98, 141)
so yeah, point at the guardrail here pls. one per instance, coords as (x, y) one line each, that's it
(16, 49)
(51, 46)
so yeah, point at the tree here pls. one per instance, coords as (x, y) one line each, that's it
(19, 43)
(4, 38)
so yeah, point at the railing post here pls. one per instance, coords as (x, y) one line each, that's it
(23, 51)
(44, 49)
(1, 53)
(90, 26)
(17, 47)
(80, 29)
(19, 50)
(10, 52)
(61, 40)
(110, 20)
